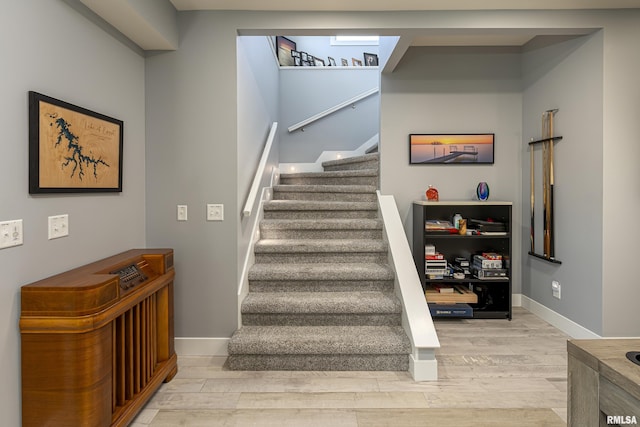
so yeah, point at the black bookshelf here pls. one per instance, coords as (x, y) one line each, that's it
(494, 295)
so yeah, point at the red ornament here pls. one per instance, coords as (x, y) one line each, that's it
(432, 194)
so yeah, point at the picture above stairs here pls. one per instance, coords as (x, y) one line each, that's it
(321, 292)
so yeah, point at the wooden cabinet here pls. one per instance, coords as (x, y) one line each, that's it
(97, 341)
(492, 295)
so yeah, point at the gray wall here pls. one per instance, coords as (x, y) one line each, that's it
(567, 76)
(50, 48)
(192, 158)
(621, 174)
(258, 98)
(452, 90)
(305, 92)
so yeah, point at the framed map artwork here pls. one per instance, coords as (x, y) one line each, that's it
(72, 149)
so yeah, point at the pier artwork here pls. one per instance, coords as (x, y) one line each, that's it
(454, 153)
(429, 149)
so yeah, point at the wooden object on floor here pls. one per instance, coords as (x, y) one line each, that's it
(98, 340)
(603, 385)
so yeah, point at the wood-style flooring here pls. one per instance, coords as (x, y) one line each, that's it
(491, 373)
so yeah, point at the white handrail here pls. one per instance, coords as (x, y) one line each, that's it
(417, 320)
(332, 110)
(253, 193)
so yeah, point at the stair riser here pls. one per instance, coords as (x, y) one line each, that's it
(320, 286)
(333, 258)
(328, 197)
(320, 180)
(346, 319)
(353, 166)
(347, 362)
(320, 234)
(289, 214)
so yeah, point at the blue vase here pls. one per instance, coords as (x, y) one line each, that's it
(482, 191)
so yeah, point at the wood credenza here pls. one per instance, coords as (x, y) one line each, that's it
(98, 340)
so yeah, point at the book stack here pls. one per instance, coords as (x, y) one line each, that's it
(435, 266)
(488, 265)
(488, 227)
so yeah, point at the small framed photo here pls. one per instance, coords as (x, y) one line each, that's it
(356, 62)
(370, 59)
(296, 61)
(345, 63)
(284, 48)
(318, 62)
(295, 54)
(332, 62)
(304, 56)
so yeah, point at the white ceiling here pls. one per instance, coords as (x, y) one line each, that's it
(387, 5)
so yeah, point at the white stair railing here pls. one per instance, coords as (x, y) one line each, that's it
(416, 318)
(329, 111)
(255, 186)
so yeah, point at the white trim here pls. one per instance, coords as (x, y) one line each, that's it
(255, 186)
(416, 318)
(516, 300)
(327, 156)
(423, 370)
(202, 346)
(249, 258)
(566, 325)
(328, 111)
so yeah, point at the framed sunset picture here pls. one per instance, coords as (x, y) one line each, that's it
(451, 149)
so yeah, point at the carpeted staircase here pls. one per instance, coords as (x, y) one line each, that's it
(320, 292)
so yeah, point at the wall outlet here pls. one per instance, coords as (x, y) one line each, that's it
(555, 289)
(58, 226)
(215, 212)
(11, 233)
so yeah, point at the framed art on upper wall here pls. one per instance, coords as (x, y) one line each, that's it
(453, 149)
(72, 149)
(285, 47)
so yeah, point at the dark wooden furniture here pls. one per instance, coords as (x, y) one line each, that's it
(97, 341)
(494, 295)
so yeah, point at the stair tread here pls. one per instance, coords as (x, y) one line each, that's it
(319, 245)
(321, 302)
(350, 160)
(319, 340)
(325, 188)
(332, 174)
(318, 205)
(323, 224)
(321, 271)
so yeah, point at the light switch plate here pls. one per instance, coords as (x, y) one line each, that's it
(11, 233)
(58, 226)
(182, 213)
(215, 212)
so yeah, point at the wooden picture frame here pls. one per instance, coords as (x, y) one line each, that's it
(72, 149)
(284, 49)
(370, 59)
(451, 149)
(356, 62)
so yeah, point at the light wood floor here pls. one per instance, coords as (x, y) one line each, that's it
(491, 373)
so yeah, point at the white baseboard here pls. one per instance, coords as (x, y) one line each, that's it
(566, 325)
(202, 346)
